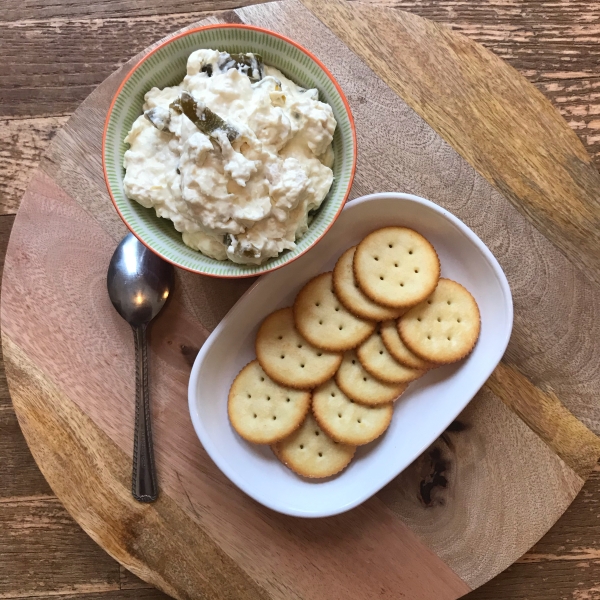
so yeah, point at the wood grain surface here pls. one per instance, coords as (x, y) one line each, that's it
(547, 176)
(85, 444)
(73, 46)
(434, 465)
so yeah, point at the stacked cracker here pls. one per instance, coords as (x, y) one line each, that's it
(330, 368)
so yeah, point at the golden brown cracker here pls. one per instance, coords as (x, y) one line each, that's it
(310, 452)
(397, 348)
(263, 411)
(287, 358)
(345, 420)
(360, 386)
(396, 267)
(322, 319)
(350, 295)
(445, 327)
(376, 359)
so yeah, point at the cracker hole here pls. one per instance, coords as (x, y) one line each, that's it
(410, 251)
(319, 354)
(381, 352)
(353, 362)
(268, 398)
(376, 257)
(428, 301)
(416, 270)
(449, 302)
(340, 415)
(337, 308)
(302, 366)
(255, 415)
(380, 277)
(448, 339)
(316, 433)
(364, 378)
(287, 399)
(283, 356)
(395, 264)
(340, 328)
(320, 322)
(249, 395)
(351, 401)
(280, 337)
(401, 285)
(320, 454)
(317, 303)
(274, 418)
(439, 320)
(301, 446)
(418, 318)
(358, 421)
(262, 378)
(428, 337)
(390, 245)
(458, 320)
(332, 394)
(299, 345)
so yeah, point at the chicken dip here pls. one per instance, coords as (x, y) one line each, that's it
(237, 156)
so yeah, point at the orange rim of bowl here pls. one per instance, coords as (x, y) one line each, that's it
(268, 32)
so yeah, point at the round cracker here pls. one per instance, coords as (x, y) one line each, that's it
(287, 358)
(346, 421)
(397, 348)
(359, 385)
(310, 452)
(445, 327)
(396, 267)
(322, 319)
(262, 411)
(349, 294)
(376, 359)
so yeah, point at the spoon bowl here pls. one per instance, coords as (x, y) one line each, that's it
(139, 282)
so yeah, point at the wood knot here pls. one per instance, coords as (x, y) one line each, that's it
(435, 478)
(189, 353)
(457, 427)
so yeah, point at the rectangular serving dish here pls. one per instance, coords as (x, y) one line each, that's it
(421, 414)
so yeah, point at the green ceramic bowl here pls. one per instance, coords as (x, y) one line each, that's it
(165, 66)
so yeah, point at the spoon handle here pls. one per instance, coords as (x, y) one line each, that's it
(143, 481)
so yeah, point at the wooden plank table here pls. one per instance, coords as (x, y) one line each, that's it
(56, 53)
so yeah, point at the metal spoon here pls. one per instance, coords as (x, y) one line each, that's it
(139, 283)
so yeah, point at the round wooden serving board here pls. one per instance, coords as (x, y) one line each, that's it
(438, 116)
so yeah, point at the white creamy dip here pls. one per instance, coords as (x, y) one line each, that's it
(242, 191)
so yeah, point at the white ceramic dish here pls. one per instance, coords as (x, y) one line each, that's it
(421, 414)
